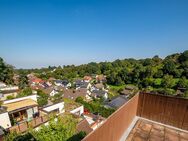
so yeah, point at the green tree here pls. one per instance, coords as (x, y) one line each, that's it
(25, 92)
(6, 72)
(169, 67)
(23, 81)
(42, 99)
(60, 129)
(183, 83)
(168, 81)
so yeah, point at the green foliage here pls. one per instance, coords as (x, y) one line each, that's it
(168, 81)
(96, 107)
(42, 99)
(23, 81)
(59, 129)
(25, 92)
(57, 98)
(183, 83)
(10, 97)
(6, 72)
(78, 137)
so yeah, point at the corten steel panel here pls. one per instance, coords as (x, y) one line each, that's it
(116, 124)
(168, 110)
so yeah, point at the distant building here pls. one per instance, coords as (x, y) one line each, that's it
(87, 78)
(117, 102)
(63, 83)
(82, 84)
(99, 93)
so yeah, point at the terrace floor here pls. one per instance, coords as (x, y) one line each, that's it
(148, 131)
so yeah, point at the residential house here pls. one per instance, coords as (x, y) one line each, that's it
(99, 86)
(63, 83)
(51, 91)
(82, 84)
(8, 91)
(117, 102)
(57, 108)
(87, 78)
(101, 78)
(94, 120)
(44, 84)
(74, 108)
(18, 110)
(99, 93)
(73, 94)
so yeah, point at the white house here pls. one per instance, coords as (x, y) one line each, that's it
(59, 108)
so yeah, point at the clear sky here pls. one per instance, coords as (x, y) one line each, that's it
(39, 33)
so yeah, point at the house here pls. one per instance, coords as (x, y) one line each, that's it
(101, 78)
(18, 110)
(99, 86)
(82, 84)
(74, 108)
(63, 83)
(51, 91)
(87, 78)
(73, 94)
(117, 102)
(44, 84)
(99, 93)
(8, 91)
(57, 108)
(94, 120)
(36, 81)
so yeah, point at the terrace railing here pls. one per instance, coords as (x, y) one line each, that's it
(168, 110)
(24, 126)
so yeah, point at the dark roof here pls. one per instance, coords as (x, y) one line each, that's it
(84, 126)
(81, 84)
(98, 92)
(118, 102)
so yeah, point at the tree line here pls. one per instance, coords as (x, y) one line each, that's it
(155, 73)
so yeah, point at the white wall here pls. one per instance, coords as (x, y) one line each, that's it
(33, 97)
(4, 120)
(9, 88)
(79, 109)
(59, 106)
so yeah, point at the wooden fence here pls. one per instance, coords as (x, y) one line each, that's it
(168, 110)
(116, 124)
(22, 127)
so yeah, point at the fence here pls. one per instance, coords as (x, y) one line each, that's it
(116, 124)
(22, 127)
(168, 110)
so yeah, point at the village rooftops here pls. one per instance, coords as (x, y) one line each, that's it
(73, 94)
(22, 104)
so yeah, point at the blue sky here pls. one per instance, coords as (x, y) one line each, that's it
(39, 33)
